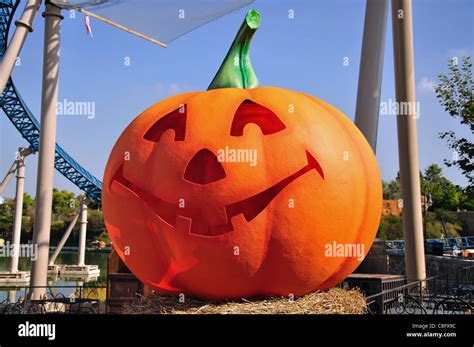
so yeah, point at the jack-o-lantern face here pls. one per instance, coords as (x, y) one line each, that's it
(205, 168)
(240, 192)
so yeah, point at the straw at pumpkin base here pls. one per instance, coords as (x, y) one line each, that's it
(333, 301)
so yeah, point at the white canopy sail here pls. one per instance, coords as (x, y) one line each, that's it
(160, 21)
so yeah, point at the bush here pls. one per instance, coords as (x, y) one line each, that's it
(391, 228)
(104, 236)
(434, 224)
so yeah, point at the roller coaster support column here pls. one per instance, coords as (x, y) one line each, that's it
(20, 185)
(24, 25)
(8, 176)
(61, 243)
(408, 139)
(370, 70)
(44, 185)
(82, 234)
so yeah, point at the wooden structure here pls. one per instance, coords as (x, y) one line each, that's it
(122, 285)
(376, 261)
(371, 284)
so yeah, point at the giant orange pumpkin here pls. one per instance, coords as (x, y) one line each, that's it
(188, 210)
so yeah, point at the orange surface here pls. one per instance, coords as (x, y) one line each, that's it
(331, 192)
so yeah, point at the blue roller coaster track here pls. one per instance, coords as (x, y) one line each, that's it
(23, 119)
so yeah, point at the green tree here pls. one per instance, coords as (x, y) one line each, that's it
(467, 201)
(391, 190)
(27, 224)
(6, 218)
(64, 202)
(95, 224)
(455, 93)
(28, 204)
(444, 194)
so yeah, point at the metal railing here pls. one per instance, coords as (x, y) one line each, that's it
(450, 243)
(67, 299)
(448, 293)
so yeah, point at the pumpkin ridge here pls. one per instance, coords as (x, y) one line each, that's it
(359, 229)
(356, 145)
(367, 191)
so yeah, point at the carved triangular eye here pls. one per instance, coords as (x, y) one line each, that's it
(175, 120)
(251, 112)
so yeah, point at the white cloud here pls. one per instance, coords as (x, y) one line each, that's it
(426, 85)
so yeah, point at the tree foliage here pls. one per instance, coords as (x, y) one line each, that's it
(455, 93)
(391, 190)
(65, 204)
(443, 193)
(440, 219)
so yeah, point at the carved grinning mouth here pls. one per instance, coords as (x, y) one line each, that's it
(249, 207)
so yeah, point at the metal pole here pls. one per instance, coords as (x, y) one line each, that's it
(20, 188)
(120, 26)
(11, 296)
(8, 176)
(82, 234)
(61, 243)
(371, 68)
(24, 25)
(44, 186)
(408, 139)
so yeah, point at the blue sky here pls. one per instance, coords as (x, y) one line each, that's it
(304, 54)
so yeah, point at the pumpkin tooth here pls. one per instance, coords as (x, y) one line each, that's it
(183, 224)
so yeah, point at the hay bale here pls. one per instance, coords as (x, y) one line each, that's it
(332, 301)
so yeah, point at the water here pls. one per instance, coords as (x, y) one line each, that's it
(92, 258)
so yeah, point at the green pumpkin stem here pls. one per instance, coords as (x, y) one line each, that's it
(236, 70)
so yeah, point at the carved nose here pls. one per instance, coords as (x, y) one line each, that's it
(204, 168)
